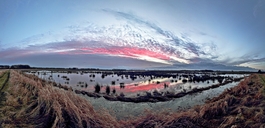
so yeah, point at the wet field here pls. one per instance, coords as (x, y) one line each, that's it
(136, 85)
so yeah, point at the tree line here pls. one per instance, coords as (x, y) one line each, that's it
(20, 66)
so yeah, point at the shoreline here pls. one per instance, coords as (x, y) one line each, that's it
(149, 97)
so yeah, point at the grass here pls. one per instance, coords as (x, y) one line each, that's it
(241, 106)
(262, 77)
(38, 104)
(3, 80)
(32, 102)
(3, 83)
(3, 86)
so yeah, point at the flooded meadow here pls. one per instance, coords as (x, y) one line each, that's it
(137, 84)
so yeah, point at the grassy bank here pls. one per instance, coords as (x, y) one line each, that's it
(241, 106)
(32, 102)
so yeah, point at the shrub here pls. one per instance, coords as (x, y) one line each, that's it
(165, 85)
(97, 88)
(114, 91)
(108, 90)
(184, 80)
(122, 94)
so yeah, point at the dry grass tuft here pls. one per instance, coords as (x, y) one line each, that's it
(163, 119)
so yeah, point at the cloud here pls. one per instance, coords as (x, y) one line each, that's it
(258, 8)
(80, 60)
(124, 40)
(247, 58)
(137, 39)
(207, 66)
(82, 48)
(74, 53)
(169, 36)
(170, 42)
(15, 52)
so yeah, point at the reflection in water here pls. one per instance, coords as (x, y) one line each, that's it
(129, 84)
(87, 81)
(123, 109)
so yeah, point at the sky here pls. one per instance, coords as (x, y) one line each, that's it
(138, 34)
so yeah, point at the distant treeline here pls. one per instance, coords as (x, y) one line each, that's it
(4, 66)
(14, 67)
(21, 66)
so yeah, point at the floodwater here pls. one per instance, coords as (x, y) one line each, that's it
(132, 84)
(123, 110)
(138, 85)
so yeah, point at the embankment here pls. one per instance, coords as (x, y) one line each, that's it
(31, 102)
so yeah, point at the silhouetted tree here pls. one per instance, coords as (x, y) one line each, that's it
(184, 81)
(259, 71)
(102, 76)
(20, 67)
(165, 85)
(108, 90)
(220, 80)
(122, 85)
(114, 91)
(122, 94)
(4, 66)
(97, 88)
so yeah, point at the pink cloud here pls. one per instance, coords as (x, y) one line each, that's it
(116, 51)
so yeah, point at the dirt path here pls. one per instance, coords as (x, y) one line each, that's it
(3, 81)
(262, 78)
(3, 86)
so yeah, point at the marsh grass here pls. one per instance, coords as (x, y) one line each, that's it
(34, 103)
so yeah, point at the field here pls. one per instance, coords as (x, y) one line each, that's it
(28, 101)
(138, 86)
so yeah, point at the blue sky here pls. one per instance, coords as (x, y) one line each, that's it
(172, 34)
